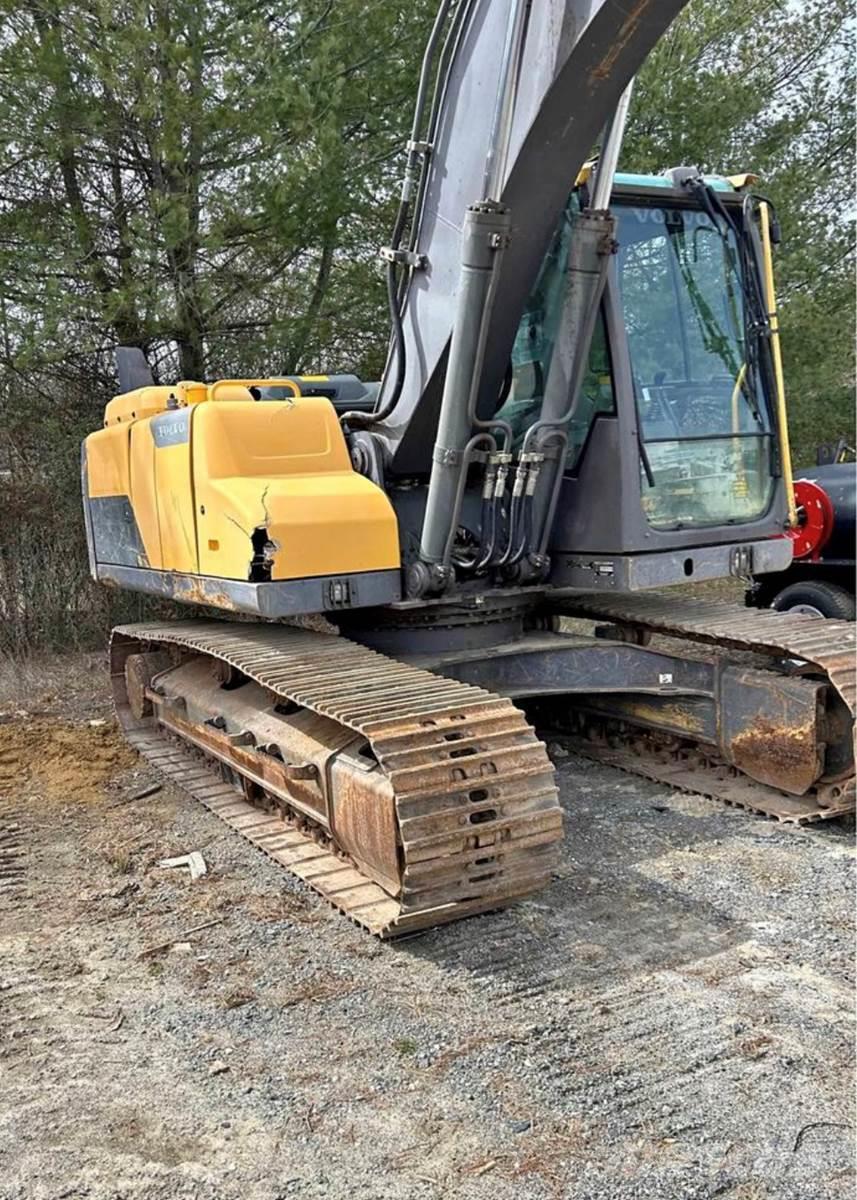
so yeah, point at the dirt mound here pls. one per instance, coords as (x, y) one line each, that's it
(66, 762)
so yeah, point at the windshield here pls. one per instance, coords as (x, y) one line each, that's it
(706, 436)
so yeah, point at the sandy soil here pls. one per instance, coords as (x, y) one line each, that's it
(673, 1018)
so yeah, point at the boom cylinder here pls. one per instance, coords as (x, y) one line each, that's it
(589, 255)
(484, 237)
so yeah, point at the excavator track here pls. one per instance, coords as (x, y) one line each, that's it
(473, 816)
(820, 646)
(688, 769)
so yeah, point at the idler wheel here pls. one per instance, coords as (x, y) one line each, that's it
(140, 670)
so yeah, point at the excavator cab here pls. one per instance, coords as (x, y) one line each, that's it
(673, 445)
(681, 290)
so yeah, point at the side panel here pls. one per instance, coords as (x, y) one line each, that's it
(143, 495)
(111, 528)
(107, 461)
(174, 489)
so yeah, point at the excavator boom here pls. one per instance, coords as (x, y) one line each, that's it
(574, 59)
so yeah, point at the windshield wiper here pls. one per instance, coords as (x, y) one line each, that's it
(641, 443)
(756, 323)
(714, 338)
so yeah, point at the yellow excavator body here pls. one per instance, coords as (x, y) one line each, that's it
(404, 798)
(207, 481)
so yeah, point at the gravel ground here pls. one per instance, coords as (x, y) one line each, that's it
(673, 1018)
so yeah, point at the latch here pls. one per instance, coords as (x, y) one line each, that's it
(339, 593)
(741, 562)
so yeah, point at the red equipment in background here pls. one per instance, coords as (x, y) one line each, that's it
(815, 517)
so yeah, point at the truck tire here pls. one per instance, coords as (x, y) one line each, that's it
(817, 599)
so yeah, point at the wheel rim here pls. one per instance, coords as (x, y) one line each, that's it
(808, 609)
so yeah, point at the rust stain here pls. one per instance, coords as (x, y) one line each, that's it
(627, 29)
(259, 768)
(196, 592)
(676, 715)
(785, 757)
(363, 818)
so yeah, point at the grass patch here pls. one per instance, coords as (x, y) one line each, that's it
(119, 859)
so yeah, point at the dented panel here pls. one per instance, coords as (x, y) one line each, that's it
(277, 498)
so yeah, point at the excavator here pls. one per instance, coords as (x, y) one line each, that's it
(402, 581)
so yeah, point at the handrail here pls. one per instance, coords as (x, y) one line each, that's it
(291, 384)
(776, 354)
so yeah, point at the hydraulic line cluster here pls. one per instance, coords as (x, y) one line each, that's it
(518, 507)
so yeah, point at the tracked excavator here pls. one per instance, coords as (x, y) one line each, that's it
(582, 407)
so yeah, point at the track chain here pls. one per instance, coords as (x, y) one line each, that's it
(827, 646)
(692, 772)
(409, 717)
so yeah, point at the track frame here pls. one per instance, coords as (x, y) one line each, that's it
(477, 820)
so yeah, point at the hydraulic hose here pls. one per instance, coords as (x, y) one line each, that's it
(416, 154)
(518, 487)
(397, 348)
(466, 460)
(526, 522)
(448, 55)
